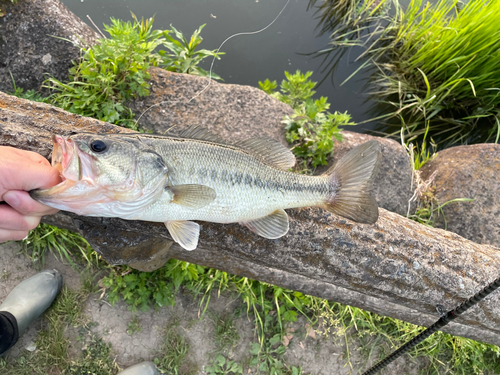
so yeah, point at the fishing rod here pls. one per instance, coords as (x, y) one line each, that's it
(444, 320)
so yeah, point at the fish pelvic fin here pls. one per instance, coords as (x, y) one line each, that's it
(350, 182)
(185, 233)
(274, 225)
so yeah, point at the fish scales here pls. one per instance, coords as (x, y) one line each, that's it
(246, 187)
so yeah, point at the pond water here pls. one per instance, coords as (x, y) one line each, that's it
(248, 59)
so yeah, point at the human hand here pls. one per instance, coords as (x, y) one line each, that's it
(20, 172)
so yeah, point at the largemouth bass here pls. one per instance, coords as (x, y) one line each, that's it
(196, 176)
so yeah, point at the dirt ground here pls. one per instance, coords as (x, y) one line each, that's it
(316, 356)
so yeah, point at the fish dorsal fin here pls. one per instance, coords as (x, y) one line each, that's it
(271, 226)
(270, 151)
(185, 233)
(194, 196)
(201, 134)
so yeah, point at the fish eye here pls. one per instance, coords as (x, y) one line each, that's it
(98, 146)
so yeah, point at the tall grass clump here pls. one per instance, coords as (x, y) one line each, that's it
(436, 65)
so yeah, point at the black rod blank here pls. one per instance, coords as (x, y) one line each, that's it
(444, 320)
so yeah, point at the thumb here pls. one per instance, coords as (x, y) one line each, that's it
(26, 174)
(38, 176)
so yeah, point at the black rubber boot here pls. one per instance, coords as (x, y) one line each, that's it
(144, 368)
(25, 303)
(9, 333)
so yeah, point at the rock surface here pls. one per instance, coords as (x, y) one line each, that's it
(29, 44)
(469, 172)
(396, 267)
(234, 112)
(239, 112)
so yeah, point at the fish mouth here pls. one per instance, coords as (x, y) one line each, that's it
(73, 166)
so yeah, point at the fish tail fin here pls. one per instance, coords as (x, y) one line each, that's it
(350, 181)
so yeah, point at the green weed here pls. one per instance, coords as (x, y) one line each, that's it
(182, 56)
(116, 69)
(268, 357)
(62, 243)
(173, 351)
(220, 365)
(28, 95)
(111, 72)
(311, 128)
(141, 290)
(226, 335)
(96, 359)
(134, 326)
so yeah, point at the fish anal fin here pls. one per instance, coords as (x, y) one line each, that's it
(185, 233)
(271, 226)
(269, 151)
(192, 195)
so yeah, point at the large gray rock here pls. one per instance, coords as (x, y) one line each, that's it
(469, 172)
(239, 112)
(396, 267)
(234, 112)
(29, 44)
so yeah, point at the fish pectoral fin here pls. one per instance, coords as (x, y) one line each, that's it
(194, 196)
(185, 233)
(271, 226)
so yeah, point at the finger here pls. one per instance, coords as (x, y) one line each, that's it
(12, 220)
(24, 204)
(24, 170)
(37, 176)
(12, 235)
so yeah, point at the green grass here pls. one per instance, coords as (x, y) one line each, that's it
(226, 335)
(436, 65)
(134, 326)
(53, 349)
(171, 356)
(65, 245)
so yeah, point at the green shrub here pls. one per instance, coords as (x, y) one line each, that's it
(116, 69)
(311, 128)
(110, 73)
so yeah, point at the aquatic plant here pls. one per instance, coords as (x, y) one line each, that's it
(435, 64)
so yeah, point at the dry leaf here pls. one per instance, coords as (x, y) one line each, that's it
(287, 339)
(310, 331)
